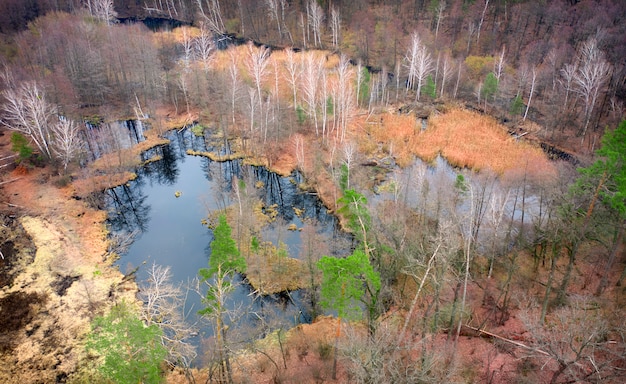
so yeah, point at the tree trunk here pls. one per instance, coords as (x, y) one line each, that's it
(609, 264)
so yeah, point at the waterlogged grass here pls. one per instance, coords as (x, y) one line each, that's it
(215, 156)
(269, 267)
(464, 138)
(470, 140)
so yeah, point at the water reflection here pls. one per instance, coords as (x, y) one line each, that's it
(170, 232)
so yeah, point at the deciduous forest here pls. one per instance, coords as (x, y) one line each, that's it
(471, 152)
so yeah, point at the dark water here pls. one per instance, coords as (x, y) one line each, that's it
(169, 230)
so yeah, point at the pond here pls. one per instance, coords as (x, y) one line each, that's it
(168, 230)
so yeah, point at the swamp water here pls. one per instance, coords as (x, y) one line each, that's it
(167, 230)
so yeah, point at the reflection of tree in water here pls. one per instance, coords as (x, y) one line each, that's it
(128, 211)
(164, 171)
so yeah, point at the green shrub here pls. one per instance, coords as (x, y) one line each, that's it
(20, 145)
(130, 352)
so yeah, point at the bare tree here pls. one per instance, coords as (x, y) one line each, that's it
(204, 47)
(567, 80)
(294, 71)
(498, 65)
(256, 63)
(315, 21)
(233, 71)
(67, 142)
(165, 7)
(593, 72)
(441, 7)
(313, 67)
(420, 64)
(579, 344)
(164, 307)
(482, 19)
(446, 72)
(349, 156)
(103, 10)
(27, 111)
(212, 15)
(531, 92)
(335, 26)
(344, 98)
(276, 11)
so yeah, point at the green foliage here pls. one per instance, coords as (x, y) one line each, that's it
(225, 257)
(428, 88)
(330, 107)
(345, 281)
(225, 260)
(254, 244)
(198, 130)
(490, 86)
(364, 88)
(460, 184)
(477, 66)
(517, 106)
(353, 206)
(344, 176)
(20, 145)
(132, 352)
(301, 114)
(609, 170)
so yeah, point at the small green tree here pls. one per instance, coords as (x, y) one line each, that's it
(224, 262)
(353, 206)
(20, 145)
(346, 283)
(429, 88)
(517, 106)
(490, 86)
(605, 180)
(131, 352)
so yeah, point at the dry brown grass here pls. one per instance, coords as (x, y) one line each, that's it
(466, 139)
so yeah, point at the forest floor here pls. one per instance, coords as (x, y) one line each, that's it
(57, 272)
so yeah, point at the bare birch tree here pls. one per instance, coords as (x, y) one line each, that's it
(276, 12)
(233, 71)
(204, 47)
(165, 7)
(102, 10)
(446, 72)
(482, 19)
(567, 80)
(531, 92)
(256, 63)
(335, 26)
(420, 64)
(344, 99)
(212, 15)
(313, 67)
(315, 21)
(27, 111)
(67, 142)
(441, 7)
(593, 72)
(164, 307)
(294, 70)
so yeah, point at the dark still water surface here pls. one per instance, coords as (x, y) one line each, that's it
(169, 231)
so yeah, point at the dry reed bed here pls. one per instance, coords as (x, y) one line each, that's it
(464, 138)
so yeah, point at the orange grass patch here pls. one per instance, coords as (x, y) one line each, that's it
(470, 140)
(465, 139)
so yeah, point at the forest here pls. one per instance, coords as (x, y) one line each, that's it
(471, 151)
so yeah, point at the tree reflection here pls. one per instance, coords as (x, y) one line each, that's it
(128, 211)
(163, 171)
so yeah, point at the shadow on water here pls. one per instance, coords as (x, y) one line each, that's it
(168, 230)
